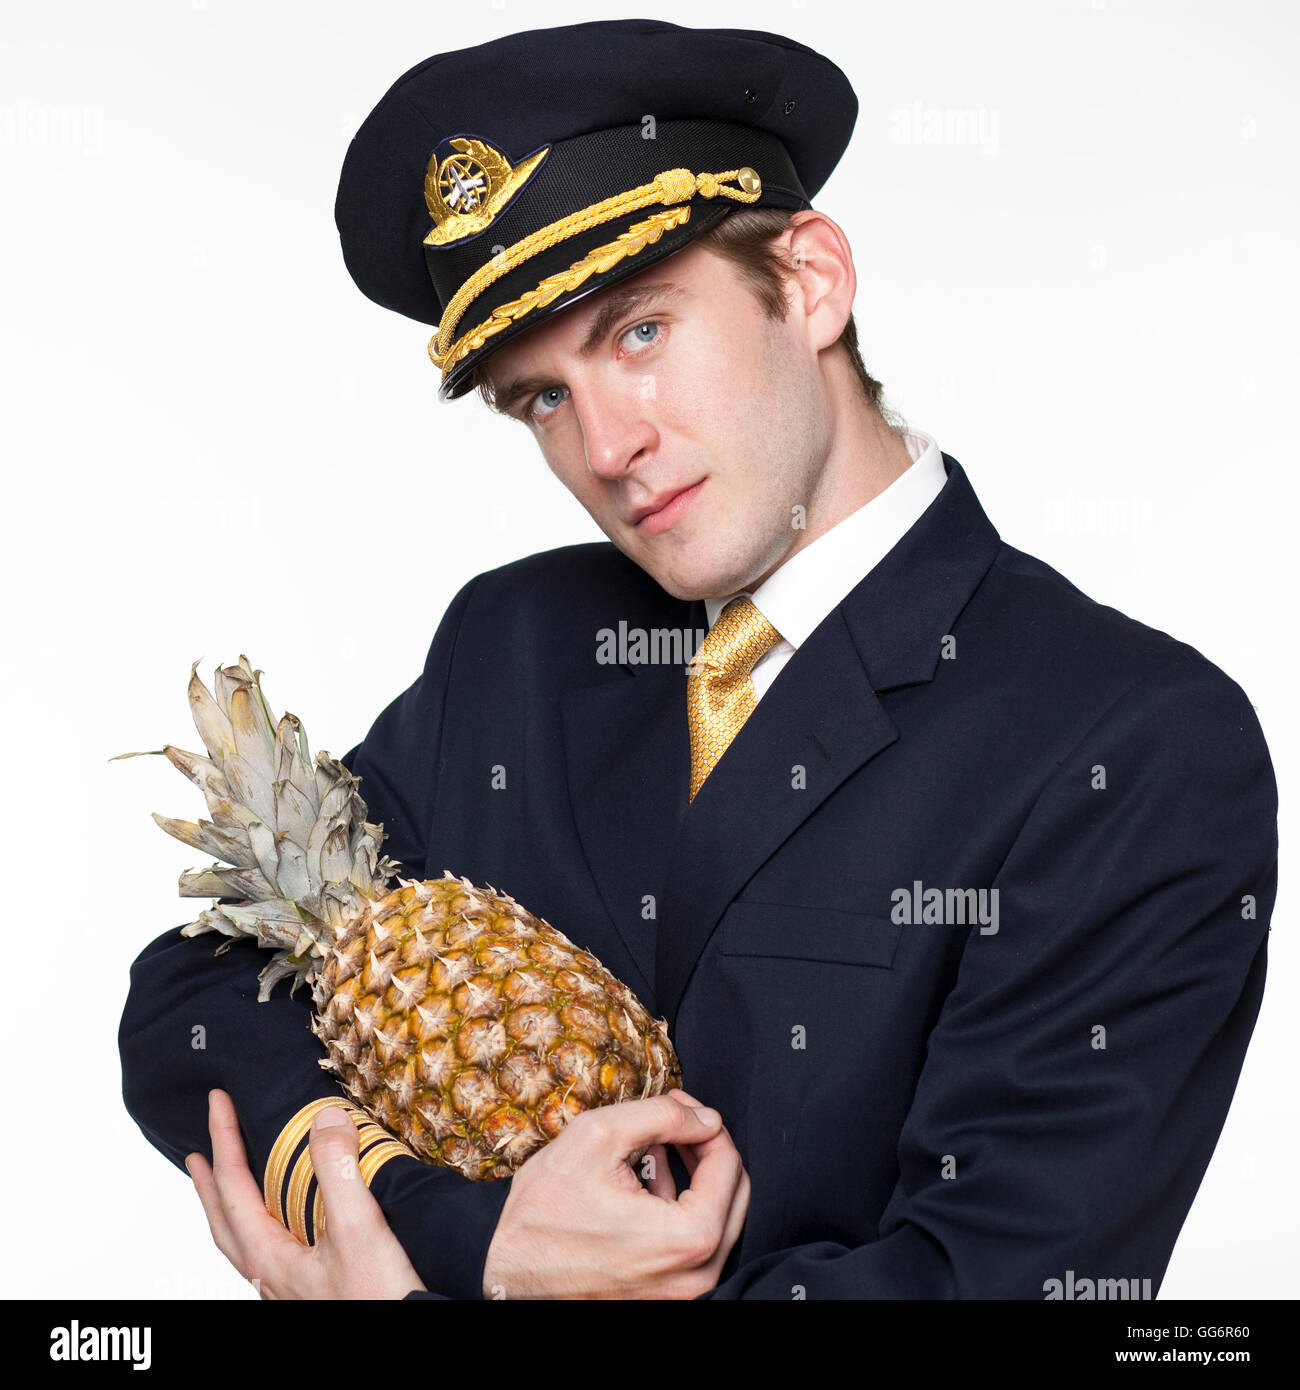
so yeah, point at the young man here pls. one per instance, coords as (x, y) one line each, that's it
(952, 884)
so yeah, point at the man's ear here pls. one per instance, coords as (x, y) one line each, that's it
(822, 276)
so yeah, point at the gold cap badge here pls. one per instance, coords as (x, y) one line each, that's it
(466, 189)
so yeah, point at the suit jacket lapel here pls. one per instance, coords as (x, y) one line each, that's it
(821, 714)
(816, 726)
(627, 748)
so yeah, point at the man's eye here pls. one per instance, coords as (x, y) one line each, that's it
(639, 337)
(545, 402)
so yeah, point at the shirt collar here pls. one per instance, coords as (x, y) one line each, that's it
(815, 579)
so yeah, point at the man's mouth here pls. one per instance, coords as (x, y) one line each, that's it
(665, 510)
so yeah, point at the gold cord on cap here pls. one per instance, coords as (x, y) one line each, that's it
(672, 186)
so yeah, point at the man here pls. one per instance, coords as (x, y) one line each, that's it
(952, 885)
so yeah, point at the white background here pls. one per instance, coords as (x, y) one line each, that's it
(214, 444)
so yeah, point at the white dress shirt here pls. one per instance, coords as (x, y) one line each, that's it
(817, 578)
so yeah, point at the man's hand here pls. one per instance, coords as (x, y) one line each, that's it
(578, 1223)
(357, 1255)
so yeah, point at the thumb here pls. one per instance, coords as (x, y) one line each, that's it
(637, 1124)
(334, 1145)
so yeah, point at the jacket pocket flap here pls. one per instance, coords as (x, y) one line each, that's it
(808, 933)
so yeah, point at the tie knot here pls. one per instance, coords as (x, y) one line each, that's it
(736, 641)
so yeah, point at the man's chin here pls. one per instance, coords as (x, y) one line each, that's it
(691, 590)
(682, 580)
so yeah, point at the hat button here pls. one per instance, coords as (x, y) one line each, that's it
(749, 180)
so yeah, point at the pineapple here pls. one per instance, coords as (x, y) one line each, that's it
(462, 1023)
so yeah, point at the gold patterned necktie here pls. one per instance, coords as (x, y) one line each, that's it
(720, 694)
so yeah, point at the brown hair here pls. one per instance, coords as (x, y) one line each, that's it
(746, 238)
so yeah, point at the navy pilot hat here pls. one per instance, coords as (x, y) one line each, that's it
(493, 186)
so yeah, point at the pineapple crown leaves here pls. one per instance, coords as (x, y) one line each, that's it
(300, 857)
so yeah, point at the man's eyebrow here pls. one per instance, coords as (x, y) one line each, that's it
(615, 303)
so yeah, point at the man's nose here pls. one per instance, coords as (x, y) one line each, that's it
(616, 425)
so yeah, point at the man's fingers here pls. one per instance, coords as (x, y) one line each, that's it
(255, 1234)
(686, 1098)
(334, 1144)
(716, 1171)
(692, 1153)
(357, 1244)
(618, 1131)
(735, 1219)
(717, 1201)
(658, 1176)
(687, 1151)
(372, 1264)
(197, 1167)
(732, 1227)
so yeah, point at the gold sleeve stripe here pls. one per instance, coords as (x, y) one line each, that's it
(290, 1208)
(282, 1151)
(372, 1161)
(291, 1136)
(369, 1134)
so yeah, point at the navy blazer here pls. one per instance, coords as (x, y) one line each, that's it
(966, 1094)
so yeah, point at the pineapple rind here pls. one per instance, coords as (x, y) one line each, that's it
(460, 1021)
(475, 1031)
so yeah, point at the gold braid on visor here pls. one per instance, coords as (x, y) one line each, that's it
(672, 186)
